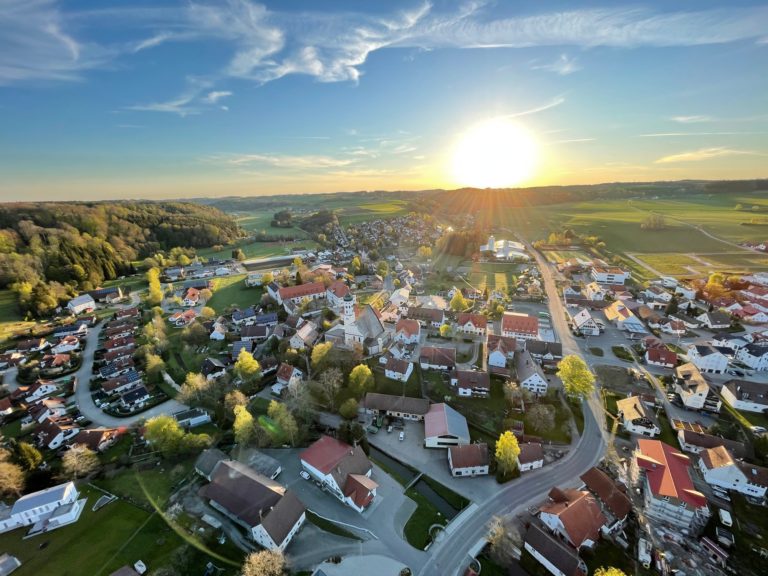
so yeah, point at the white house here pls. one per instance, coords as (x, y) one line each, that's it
(687, 292)
(584, 324)
(254, 279)
(437, 358)
(574, 516)
(84, 303)
(531, 456)
(468, 460)
(715, 320)
(55, 506)
(471, 383)
(444, 427)
(624, 319)
(218, 332)
(745, 395)
(707, 358)
(287, 375)
(661, 356)
(593, 291)
(399, 370)
(754, 355)
(40, 389)
(556, 557)
(343, 470)
(66, 344)
(694, 390)
(500, 349)
(668, 492)
(305, 336)
(468, 323)
(407, 331)
(271, 514)
(635, 418)
(191, 297)
(720, 470)
(520, 326)
(530, 375)
(609, 274)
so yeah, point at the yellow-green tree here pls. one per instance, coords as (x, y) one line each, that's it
(244, 427)
(425, 252)
(611, 571)
(507, 451)
(445, 330)
(247, 367)
(155, 294)
(361, 380)
(285, 427)
(321, 356)
(576, 376)
(458, 302)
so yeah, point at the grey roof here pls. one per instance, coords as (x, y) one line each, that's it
(8, 564)
(207, 461)
(393, 403)
(747, 391)
(561, 556)
(442, 420)
(239, 345)
(527, 366)
(368, 323)
(541, 348)
(43, 497)
(259, 461)
(82, 299)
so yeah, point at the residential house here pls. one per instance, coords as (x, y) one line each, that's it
(239, 346)
(77, 328)
(531, 456)
(254, 279)
(468, 323)
(609, 274)
(673, 327)
(191, 297)
(612, 497)
(266, 319)
(545, 353)
(53, 433)
(584, 324)
(471, 383)
(336, 292)
(501, 349)
(208, 460)
(192, 417)
(695, 442)
(343, 470)
(407, 331)
(247, 316)
(754, 355)
(259, 332)
(107, 295)
(746, 395)
(721, 470)
(444, 427)
(83, 303)
(427, 317)
(707, 358)
(39, 390)
(694, 390)
(97, 439)
(557, 558)
(686, 291)
(618, 313)
(636, 418)
(715, 320)
(29, 346)
(661, 356)
(669, 494)
(572, 291)
(529, 374)
(656, 296)
(218, 331)
(399, 370)
(305, 337)
(287, 375)
(213, 368)
(54, 506)
(520, 326)
(437, 358)
(47, 408)
(396, 406)
(468, 460)
(116, 368)
(400, 297)
(66, 344)
(296, 294)
(134, 397)
(271, 514)
(55, 362)
(574, 516)
(593, 291)
(181, 319)
(6, 407)
(122, 383)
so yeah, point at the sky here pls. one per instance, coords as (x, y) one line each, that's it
(154, 99)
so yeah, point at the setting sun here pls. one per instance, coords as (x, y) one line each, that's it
(494, 154)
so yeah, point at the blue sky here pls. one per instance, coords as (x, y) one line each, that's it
(172, 99)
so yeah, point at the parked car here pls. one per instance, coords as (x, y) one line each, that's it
(304, 474)
(402, 436)
(389, 428)
(758, 429)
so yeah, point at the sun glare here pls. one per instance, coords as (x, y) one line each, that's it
(497, 153)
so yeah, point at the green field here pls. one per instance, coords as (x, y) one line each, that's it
(11, 320)
(492, 276)
(557, 256)
(258, 249)
(232, 291)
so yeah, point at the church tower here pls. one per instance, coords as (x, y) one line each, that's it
(348, 310)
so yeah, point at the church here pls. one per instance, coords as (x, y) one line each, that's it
(358, 327)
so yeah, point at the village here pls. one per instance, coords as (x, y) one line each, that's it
(378, 402)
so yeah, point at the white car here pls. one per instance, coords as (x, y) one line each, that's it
(402, 436)
(758, 429)
(304, 474)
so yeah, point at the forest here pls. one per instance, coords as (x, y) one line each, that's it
(49, 251)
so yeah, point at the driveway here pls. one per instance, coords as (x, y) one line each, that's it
(85, 400)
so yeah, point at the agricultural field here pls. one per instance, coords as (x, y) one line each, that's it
(557, 256)
(492, 276)
(11, 320)
(258, 249)
(377, 209)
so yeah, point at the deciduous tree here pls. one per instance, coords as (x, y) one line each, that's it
(611, 571)
(264, 563)
(576, 376)
(28, 455)
(348, 409)
(322, 356)
(361, 380)
(244, 427)
(286, 428)
(458, 302)
(504, 539)
(330, 383)
(507, 451)
(233, 399)
(542, 417)
(247, 367)
(79, 461)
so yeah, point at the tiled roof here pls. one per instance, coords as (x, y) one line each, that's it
(288, 292)
(667, 471)
(408, 326)
(478, 320)
(579, 513)
(469, 455)
(520, 323)
(610, 493)
(393, 403)
(443, 420)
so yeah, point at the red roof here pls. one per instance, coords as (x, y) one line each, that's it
(289, 292)
(478, 320)
(285, 372)
(504, 344)
(360, 488)
(579, 513)
(339, 289)
(326, 453)
(520, 324)
(666, 469)
(662, 355)
(410, 327)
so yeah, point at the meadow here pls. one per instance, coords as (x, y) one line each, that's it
(11, 320)
(231, 291)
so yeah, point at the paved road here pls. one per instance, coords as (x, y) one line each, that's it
(85, 400)
(451, 554)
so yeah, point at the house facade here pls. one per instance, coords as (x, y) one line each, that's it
(721, 470)
(468, 460)
(746, 395)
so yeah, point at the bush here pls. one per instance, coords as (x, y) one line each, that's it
(348, 409)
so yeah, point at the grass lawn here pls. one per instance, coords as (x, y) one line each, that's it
(99, 543)
(11, 320)
(492, 275)
(121, 447)
(329, 526)
(13, 430)
(578, 415)
(595, 351)
(416, 530)
(607, 554)
(384, 385)
(147, 486)
(131, 283)
(667, 435)
(749, 528)
(456, 501)
(670, 263)
(231, 291)
(489, 568)
(561, 432)
(622, 353)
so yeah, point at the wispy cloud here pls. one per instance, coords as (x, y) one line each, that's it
(192, 101)
(215, 96)
(684, 134)
(554, 103)
(152, 41)
(288, 162)
(705, 154)
(691, 119)
(573, 141)
(563, 65)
